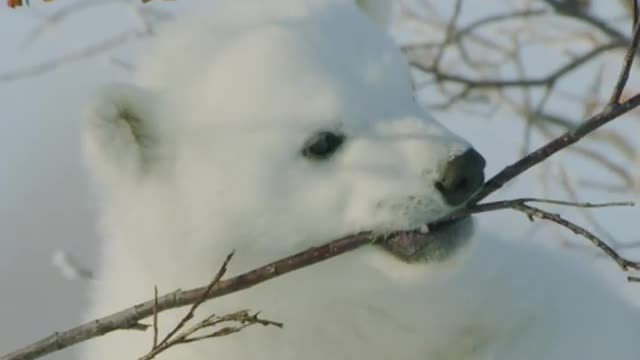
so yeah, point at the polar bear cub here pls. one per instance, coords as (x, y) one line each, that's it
(272, 126)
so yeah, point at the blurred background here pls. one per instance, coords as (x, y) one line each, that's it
(508, 75)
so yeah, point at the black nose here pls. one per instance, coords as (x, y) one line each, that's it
(462, 177)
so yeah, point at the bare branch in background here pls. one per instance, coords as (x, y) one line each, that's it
(96, 49)
(485, 68)
(147, 15)
(612, 111)
(547, 80)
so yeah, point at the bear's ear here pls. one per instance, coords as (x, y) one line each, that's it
(119, 132)
(380, 11)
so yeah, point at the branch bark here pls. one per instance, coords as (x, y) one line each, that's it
(130, 318)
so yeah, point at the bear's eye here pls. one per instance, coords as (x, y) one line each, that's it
(322, 145)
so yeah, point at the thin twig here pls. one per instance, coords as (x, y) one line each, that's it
(96, 49)
(532, 212)
(449, 33)
(584, 16)
(174, 337)
(504, 83)
(155, 318)
(243, 318)
(216, 280)
(127, 318)
(506, 204)
(626, 67)
(497, 18)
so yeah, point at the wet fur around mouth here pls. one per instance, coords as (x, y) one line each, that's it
(441, 241)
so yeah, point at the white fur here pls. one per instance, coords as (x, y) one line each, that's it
(224, 104)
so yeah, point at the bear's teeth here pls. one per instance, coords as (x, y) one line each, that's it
(424, 229)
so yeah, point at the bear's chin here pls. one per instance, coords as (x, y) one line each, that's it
(430, 243)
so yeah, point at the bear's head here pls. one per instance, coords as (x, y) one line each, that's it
(271, 127)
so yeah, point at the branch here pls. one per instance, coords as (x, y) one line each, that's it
(532, 212)
(511, 204)
(216, 280)
(93, 50)
(612, 111)
(243, 318)
(628, 61)
(190, 335)
(541, 81)
(573, 12)
(130, 318)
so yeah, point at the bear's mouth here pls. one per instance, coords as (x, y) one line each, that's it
(432, 242)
